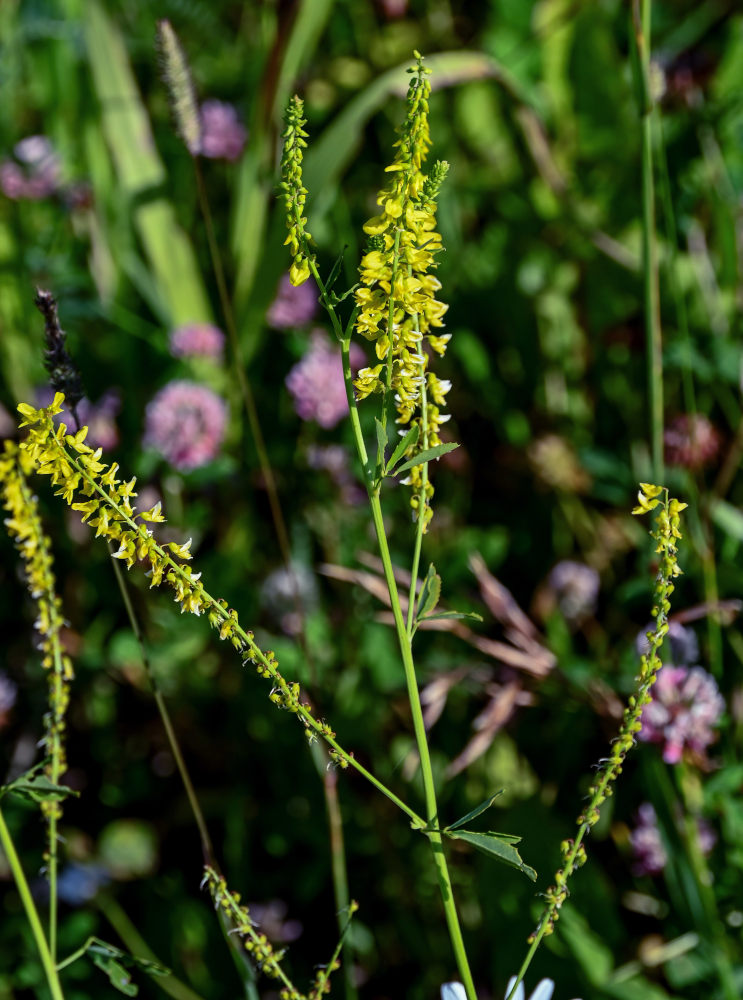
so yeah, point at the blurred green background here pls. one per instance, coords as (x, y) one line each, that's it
(534, 106)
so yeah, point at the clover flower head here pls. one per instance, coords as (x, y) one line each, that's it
(35, 172)
(223, 136)
(691, 440)
(316, 382)
(197, 340)
(294, 305)
(686, 707)
(186, 423)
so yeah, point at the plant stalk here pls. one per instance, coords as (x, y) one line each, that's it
(32, 916)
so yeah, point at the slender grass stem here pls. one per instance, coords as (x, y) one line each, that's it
(282, 535)
(136, 944)
(641, 17)
(206, 843)
(337, 859)
(32, 916)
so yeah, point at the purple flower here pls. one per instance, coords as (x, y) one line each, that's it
(35, 172)
(8, 692)
(576, 589)
(294, 305)
(686, 707)
(649, 852)
(316, 382)
(223, 135)
(197, 340)
(186, 423)
(647, 846)
(691, 441)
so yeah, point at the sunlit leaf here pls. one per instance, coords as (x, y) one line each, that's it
(498, 845)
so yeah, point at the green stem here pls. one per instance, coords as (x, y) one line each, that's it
(429, 789)
(641, 12)
(714, 928)
(434, 836)
(420, 524)
(31, 915)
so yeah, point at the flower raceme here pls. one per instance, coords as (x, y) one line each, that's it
(104, 501)
(396, 300)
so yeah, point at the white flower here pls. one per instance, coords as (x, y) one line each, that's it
(542, 992)
(455, 991)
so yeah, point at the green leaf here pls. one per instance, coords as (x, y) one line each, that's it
(430, 593)
(477, 811)
(116, 963)
(406, 442)
(37, 787)
(499, 845)
(427, 456)
(381, 438)
(117, 974)
(452, 616)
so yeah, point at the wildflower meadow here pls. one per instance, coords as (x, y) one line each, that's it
(370, 404)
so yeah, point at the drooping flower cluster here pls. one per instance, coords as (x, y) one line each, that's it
(186, 423)
(316, 382)
(396, 300)
(197, 340)
(24, 526)
(686, 707)
(92, 488)
(666, 533)
(295, 194)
